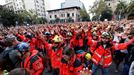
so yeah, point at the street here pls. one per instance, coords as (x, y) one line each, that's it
(111, 71)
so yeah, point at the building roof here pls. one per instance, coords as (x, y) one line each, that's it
(64, 9)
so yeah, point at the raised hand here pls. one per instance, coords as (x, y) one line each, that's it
(85, 71)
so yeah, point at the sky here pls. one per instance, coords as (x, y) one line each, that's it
(56, 4)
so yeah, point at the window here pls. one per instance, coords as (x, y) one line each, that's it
(78, 15)
(55, 16)
(68, 15)
(12, 7)
(20, 8)
(109, 4)
(72, 14)
(62, 15)
(15, 8)
(37, 1)
(50, 16)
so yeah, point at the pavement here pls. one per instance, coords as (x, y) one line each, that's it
(111, 71)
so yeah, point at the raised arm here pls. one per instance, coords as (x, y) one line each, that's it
(122, 46)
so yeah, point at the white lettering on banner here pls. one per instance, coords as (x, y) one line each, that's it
(98, 54)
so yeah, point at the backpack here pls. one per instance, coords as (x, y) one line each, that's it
(5, 62)
(5, 53)
(36, 57)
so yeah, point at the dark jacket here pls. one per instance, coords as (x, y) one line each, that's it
(130, 56)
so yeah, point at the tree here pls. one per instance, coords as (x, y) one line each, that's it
(41, 20)
(95, 18)
(98, 8)
(130, 7)
(84, 15)
(27, 17)
(106, 14)
(121, 9)
(8, 17)
(23, 18)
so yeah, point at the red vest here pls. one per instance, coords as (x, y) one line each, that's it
(33, 44)
(34, 68)
(92, 44)
(68, 69)
(56, 58)
(100, 53)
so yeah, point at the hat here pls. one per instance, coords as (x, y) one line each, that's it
(94, 33)
(106, 34)
(94, 29)
(69, 34)
(47, 33)
(88, 56)
(23, 47)
(57, 39)
(9, 39)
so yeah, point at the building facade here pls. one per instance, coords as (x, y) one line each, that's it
(112, 4)
(64, 14)
(37, 6)
(72, 3)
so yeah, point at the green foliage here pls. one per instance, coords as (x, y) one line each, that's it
(121, 9)
(106, 14)
(8, 17)
(102, 6)
(95, 18)
(130, 7)
(84, 15)
(98, 7)
(41, 20)
(30, 18)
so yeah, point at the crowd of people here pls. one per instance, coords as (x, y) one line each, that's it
(67, 49)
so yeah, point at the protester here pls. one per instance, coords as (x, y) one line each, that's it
(102, 56)
(93, 45)
(31, 61)
(70, 65)
(131, 71)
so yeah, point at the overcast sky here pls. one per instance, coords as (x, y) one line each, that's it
(55, 4)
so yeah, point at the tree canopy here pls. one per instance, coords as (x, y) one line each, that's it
(84, 15)
(9, 17)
